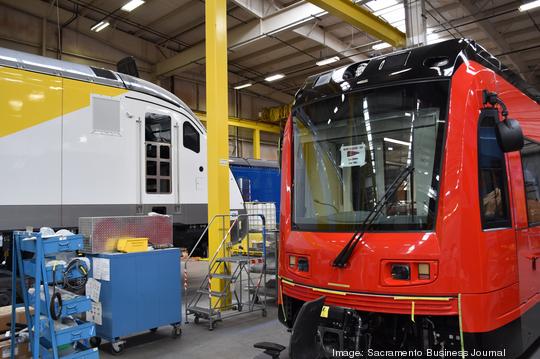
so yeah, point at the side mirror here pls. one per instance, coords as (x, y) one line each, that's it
(509, 135)
(508, 131)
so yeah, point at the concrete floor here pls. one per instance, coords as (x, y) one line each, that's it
(232, 339)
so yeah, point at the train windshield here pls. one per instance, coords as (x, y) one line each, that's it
(349, 149)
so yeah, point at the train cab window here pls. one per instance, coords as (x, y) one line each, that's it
(530, 157)
(192, 139)
(492, 178)
(158, 153)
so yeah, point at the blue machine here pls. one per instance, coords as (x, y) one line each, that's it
(258, 180)
(143, 293)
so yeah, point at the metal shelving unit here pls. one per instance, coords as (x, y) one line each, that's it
(68, 336)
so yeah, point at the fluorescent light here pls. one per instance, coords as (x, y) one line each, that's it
(392, 140)
(132, 5)
(243, 86)
(529, 5)
(327, 61)
(382, 45)
(274, 77)
(99, 26)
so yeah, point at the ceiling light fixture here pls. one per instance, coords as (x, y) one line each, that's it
(132, 5)
(274, 77)
(327, 61)
(382, 45)
(530, 5)
(243, 86)
(100, 26)
(399, 142)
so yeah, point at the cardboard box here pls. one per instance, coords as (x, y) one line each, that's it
(21, 352)
(5, 317)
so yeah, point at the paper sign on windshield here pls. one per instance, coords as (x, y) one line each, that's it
(353, 155)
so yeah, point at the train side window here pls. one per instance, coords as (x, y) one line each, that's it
(492, 178)
(192, 138)
(158, 153)
(530, 157)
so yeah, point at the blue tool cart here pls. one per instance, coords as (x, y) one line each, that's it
(54, 328)
(139, 292)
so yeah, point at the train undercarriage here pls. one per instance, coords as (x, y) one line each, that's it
(349, 333)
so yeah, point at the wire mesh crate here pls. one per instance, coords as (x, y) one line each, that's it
(102, 233)
(267, 209)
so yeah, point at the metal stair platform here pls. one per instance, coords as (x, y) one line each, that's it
(230, 287)
(203, 312)
(236, 259)
(211, 293)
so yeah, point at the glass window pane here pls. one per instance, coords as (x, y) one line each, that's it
(151, 185)
(164, 169)
(157, 128)
(151, 168)
(349, 149)
(191, 137)
(164, 186)
(151, 151)
(492, 181)
(165, 152)
(530, 156)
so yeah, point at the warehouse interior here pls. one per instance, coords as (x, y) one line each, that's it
(233, 71)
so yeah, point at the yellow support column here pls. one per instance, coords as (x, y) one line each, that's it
(257, 144)
(217, 130)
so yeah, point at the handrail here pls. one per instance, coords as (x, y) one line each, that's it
(211, 261)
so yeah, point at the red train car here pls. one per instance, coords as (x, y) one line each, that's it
(411, 207)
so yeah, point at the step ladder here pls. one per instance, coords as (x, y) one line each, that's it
(236, 275)
(65, 335)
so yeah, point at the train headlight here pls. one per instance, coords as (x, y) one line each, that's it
(292, 261)
(401, 272)
(423, 271)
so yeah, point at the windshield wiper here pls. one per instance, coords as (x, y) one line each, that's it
(343, 257)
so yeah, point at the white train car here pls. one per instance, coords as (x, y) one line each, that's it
(82, 141)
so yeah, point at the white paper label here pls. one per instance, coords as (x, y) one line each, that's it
(94, 315)
(101, 269)
(353, 155)
(93, 289)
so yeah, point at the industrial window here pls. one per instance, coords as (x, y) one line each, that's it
(158, 153)
(492, 177)
(530, 157)
(192, 139)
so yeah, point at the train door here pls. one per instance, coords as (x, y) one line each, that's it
(529, 234)
(156, 157)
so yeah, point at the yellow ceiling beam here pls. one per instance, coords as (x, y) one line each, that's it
(363, 19)
(243, 123)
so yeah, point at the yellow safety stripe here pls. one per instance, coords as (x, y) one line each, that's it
(328, 291)
(339, 285)
(441, 299)
(461, 328)
(291, 283)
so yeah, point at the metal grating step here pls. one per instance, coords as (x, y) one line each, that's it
(237, 259)
(213, 293)
(221, 276)
(203, 312)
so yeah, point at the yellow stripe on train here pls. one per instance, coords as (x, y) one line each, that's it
(30, 98)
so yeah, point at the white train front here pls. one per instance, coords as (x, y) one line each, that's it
(81, 141)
